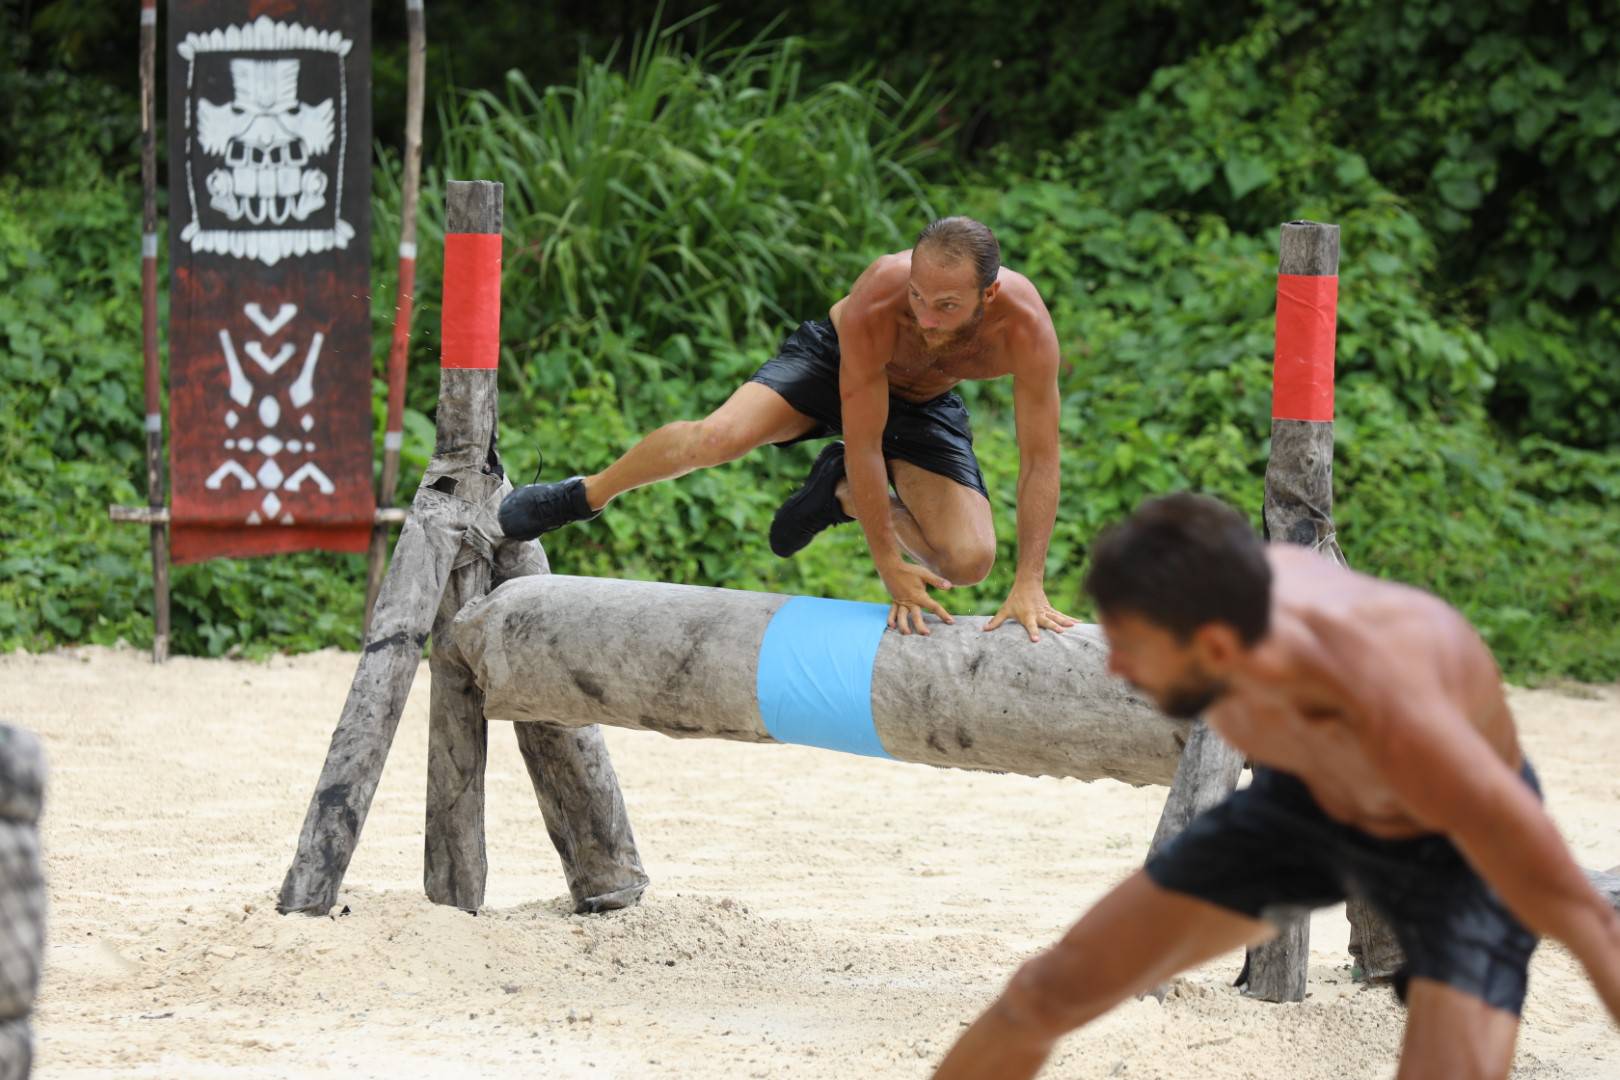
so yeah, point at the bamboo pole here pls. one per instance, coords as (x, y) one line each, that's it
(399, 347)
(153, 375)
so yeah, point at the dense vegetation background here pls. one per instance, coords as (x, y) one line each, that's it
(677, 202)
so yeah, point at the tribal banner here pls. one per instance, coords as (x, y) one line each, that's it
(270, 292)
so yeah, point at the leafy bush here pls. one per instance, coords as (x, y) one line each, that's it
(72, 441)
(669, 219)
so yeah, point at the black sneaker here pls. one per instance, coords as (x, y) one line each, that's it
(813, 507)
(538, 508)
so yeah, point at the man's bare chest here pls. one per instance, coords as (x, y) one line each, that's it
(1325, 753)
(917, 371)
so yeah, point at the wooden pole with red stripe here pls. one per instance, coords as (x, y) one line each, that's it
(1299, 486)
(1299, 475)
(394, 429)
(450, 552)
(153, 375)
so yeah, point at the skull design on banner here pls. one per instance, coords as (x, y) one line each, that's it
(264, 173)
(267, 138)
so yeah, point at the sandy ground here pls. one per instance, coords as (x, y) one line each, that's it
(811, 915)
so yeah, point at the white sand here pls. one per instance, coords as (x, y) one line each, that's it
(811, 914)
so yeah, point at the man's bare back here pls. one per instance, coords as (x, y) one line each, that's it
(1298, 713)
(921, 368)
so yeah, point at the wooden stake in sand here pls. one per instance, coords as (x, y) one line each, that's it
(450, 548)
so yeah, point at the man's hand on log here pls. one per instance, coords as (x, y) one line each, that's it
(908, 584)
(1027, 605)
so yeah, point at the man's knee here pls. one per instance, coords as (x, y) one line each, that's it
(1048, 995)
(967, 563)
(718, 441)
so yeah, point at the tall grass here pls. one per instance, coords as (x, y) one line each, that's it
(672, 214)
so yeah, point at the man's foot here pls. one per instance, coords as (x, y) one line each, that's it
(813, 507)
(539, 508)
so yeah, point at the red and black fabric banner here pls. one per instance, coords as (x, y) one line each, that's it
(269, 124)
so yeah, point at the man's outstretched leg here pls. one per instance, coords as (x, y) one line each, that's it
(753, 416)
(1135, 938)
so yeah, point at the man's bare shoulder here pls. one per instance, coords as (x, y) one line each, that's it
(886, 276)
(1027, 324)
(876, 294)
(1364, 620)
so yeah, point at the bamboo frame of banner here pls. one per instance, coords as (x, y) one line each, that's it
(155, 514)
(398, 358)
(149, 334)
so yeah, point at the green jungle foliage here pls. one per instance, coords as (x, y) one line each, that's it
(674, 209)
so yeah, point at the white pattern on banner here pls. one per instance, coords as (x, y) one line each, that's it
(269, 413)
(266, 140)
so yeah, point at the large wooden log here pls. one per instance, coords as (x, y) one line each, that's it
(684, 661)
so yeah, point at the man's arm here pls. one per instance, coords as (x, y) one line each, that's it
(1036, 410)
(1453, 781)
(865, 342)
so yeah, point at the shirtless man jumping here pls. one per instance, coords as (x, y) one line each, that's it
(1386, 765)
(880, 369)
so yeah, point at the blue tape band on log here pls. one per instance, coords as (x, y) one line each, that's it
(815, 674)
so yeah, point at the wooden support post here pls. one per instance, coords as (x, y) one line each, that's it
(382, 680)
(584, 814)
(1207, 773)
(454, 865)
(572, 775)
(1299, 501)
(1299, 491)
(576, 787)
(394, 430)
(153, 374)
(1299, 510)
(454, 493)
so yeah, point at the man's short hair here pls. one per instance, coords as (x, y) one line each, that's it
(963, 238)
(1182, 561)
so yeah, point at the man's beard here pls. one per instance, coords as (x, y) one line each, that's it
(960, 336)
(1188, 701)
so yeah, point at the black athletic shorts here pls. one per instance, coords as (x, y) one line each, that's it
(1269, 851)
(934, 435)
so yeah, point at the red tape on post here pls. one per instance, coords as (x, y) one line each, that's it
(470, 327)
(1302, 372)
